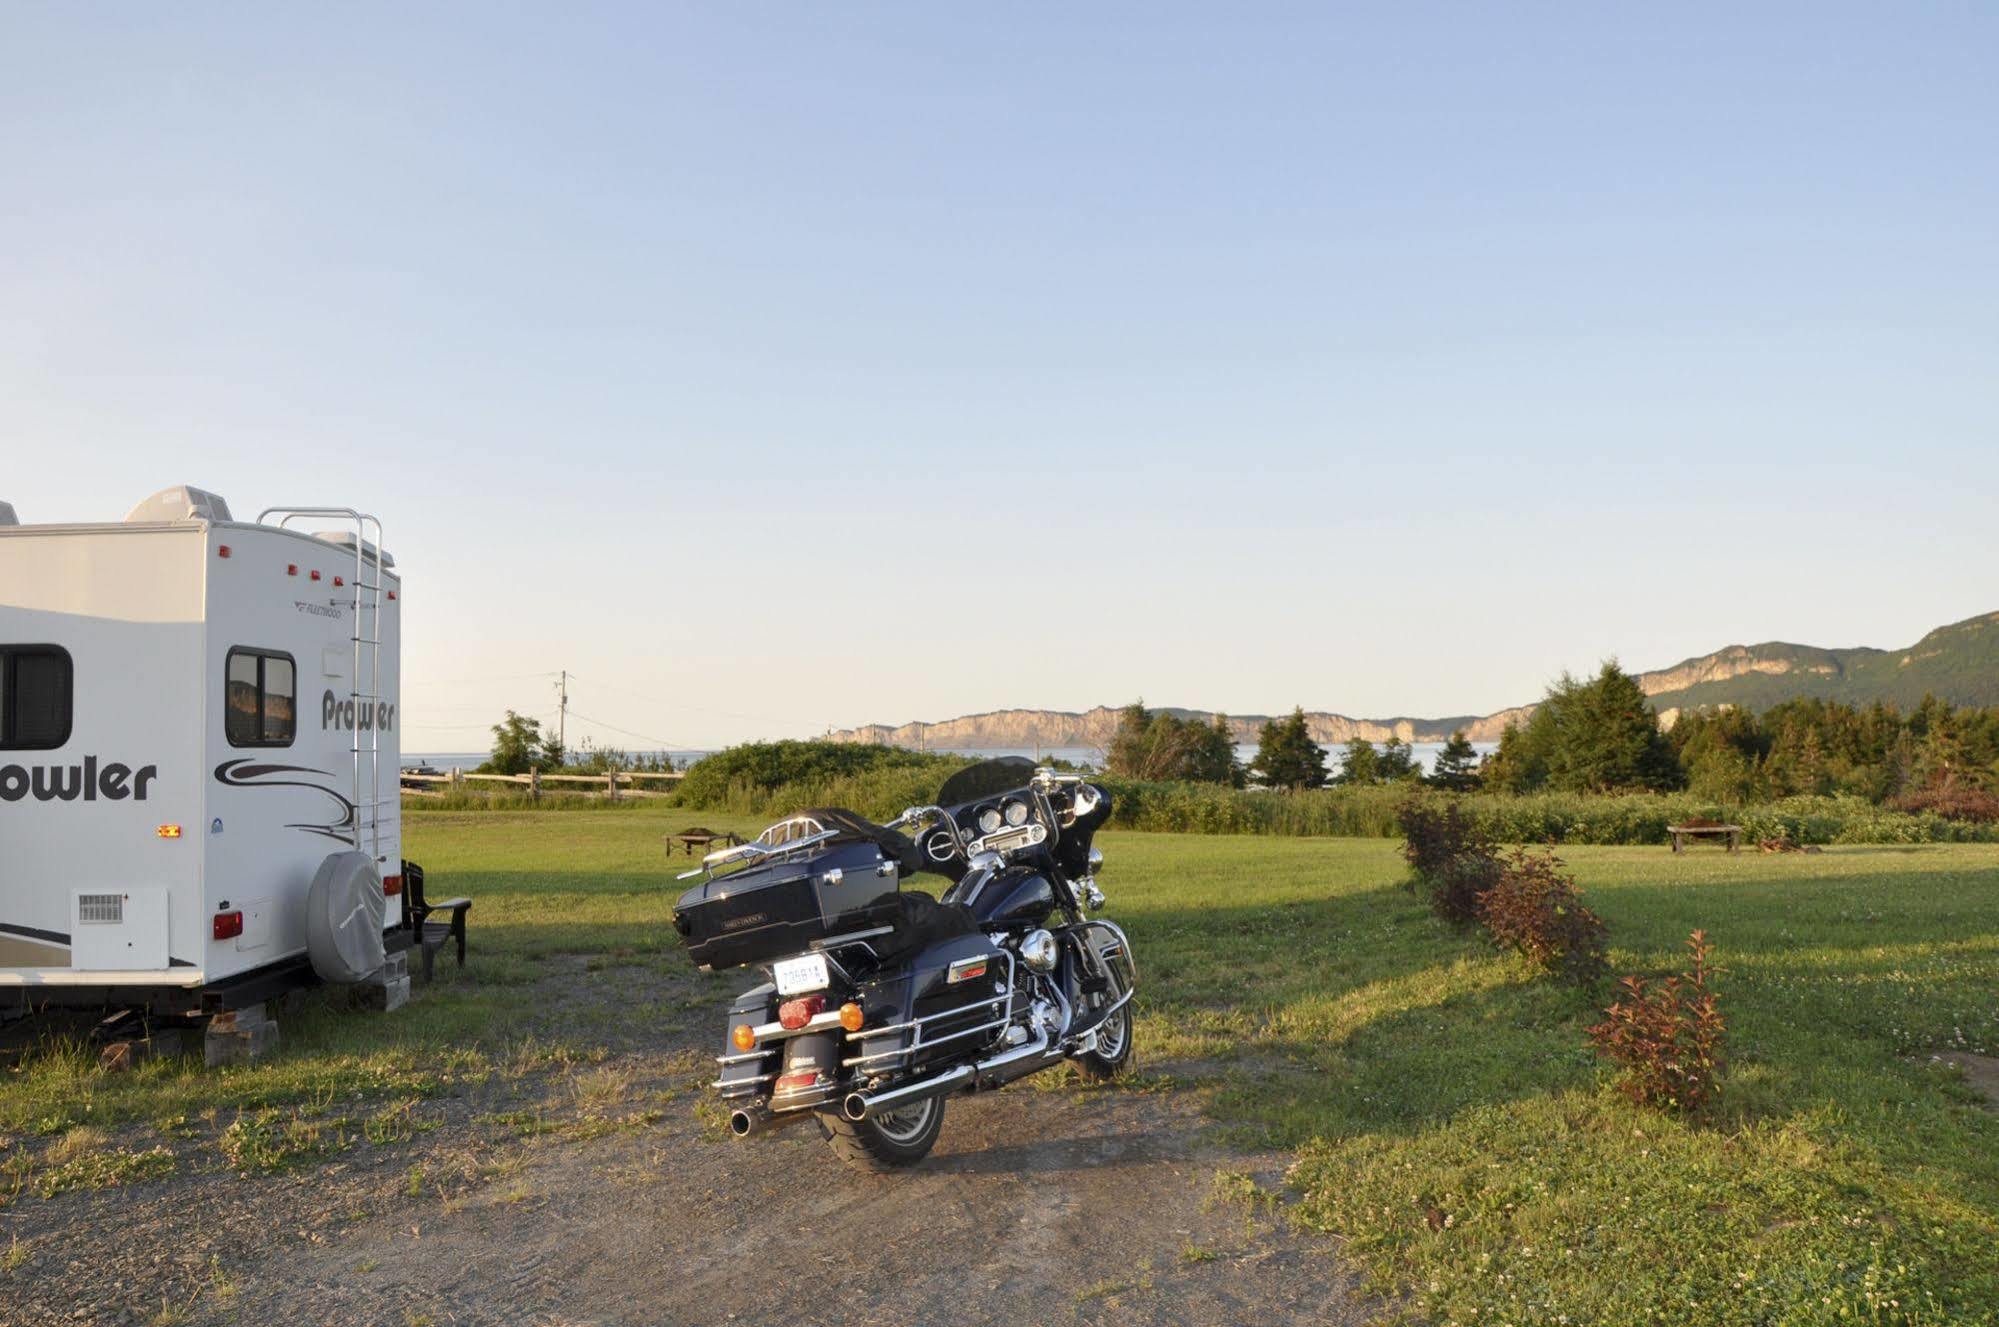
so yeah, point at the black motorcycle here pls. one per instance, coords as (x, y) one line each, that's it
(882, 1001)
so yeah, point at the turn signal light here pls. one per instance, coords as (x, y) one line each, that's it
(851, 1017)
(228, 925)
(743, 1037)
(168, 831)
(795, 1014)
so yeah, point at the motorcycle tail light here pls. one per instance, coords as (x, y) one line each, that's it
(743, 1037)
(795, 1014)
(851, 1017)
(799, 1081)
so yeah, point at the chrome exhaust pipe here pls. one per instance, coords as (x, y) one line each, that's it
(749, 1121)
(1002, 1068)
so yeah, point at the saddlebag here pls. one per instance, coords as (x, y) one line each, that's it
(948, 1000)
(779, 907)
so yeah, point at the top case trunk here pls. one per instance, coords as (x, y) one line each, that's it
(778, 908)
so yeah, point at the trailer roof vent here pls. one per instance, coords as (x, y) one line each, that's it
(183, 502)
(7, 516)
(345, 539)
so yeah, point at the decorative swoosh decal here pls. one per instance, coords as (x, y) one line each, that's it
(248, 773)
(34, 933)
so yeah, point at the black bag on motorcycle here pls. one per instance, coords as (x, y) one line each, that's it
(779, 908)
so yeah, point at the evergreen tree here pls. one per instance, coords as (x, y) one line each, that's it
(1287, 757)
(1211, 757)
(1360, 763)
(1397, 762)
(1456, 766)
(1601, 736)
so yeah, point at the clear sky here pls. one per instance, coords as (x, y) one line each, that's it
(777, 367)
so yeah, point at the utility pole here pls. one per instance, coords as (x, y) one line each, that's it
(562, 713)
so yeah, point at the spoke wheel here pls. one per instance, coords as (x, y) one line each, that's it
(888, 1141)
(1113, 1050)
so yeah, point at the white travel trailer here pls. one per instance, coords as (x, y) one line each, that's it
(198, 717)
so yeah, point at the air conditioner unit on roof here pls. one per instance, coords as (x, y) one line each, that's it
(183, 502)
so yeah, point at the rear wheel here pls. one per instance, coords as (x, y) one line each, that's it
(888, 1141)
(1113, 1049)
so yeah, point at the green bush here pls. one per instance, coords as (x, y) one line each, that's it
(1635, 818)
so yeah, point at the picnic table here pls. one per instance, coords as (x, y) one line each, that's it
(704, 839)
(1685, 834)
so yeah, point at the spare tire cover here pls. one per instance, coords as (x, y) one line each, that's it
(343, 922)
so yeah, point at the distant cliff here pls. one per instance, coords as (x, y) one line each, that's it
(1958, 663)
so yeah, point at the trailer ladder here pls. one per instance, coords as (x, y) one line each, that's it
(366, 637)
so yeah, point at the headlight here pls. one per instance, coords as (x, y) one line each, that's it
(1016, 813)
(989, 820)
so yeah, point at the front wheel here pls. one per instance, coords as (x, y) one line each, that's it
(1113, 1049)
(888, 1141)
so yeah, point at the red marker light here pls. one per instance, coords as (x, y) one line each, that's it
(228, 925)
(222, 550)
(392, 594)
(338, 581)
(392, 885)
(291, 568)
(315, 574)
(798, 1081)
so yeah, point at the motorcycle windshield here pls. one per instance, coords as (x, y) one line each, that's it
(985, 779)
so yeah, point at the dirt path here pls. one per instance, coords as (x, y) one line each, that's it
(604, 1196)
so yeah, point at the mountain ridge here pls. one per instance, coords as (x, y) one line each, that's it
(1958, 663)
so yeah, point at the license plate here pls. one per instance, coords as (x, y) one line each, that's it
(796, 976)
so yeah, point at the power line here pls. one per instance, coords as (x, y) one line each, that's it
(664, 743)
(698, 709)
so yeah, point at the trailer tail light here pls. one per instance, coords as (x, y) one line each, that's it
(392, 885)
(795, 1014)
(228, 925)
(801, 1080)
(168, 831)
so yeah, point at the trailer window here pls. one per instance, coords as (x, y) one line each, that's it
(260, 704)
(35, 697)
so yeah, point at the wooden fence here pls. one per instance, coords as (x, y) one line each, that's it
(613, 785)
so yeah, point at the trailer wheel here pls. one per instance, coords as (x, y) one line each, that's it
(885, 1142)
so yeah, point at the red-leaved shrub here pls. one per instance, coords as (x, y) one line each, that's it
(1452, 856)
(1952, 801)
(1668, 1038)
(1536, 908)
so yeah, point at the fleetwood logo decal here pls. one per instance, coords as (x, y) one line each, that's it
(111, 781)
(256, 774)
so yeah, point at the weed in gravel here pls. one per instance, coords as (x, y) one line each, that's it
(270, 1139)
(398, 1122)
(16, 1255)
(597, 1090)
(1193, 1253)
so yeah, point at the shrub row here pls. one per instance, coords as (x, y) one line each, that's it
(1529, 818)
(1667, 1038)
(1525, 900)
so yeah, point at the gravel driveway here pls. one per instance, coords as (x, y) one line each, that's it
(608, 1193)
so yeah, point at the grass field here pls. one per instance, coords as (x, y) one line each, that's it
(1448, 1122)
